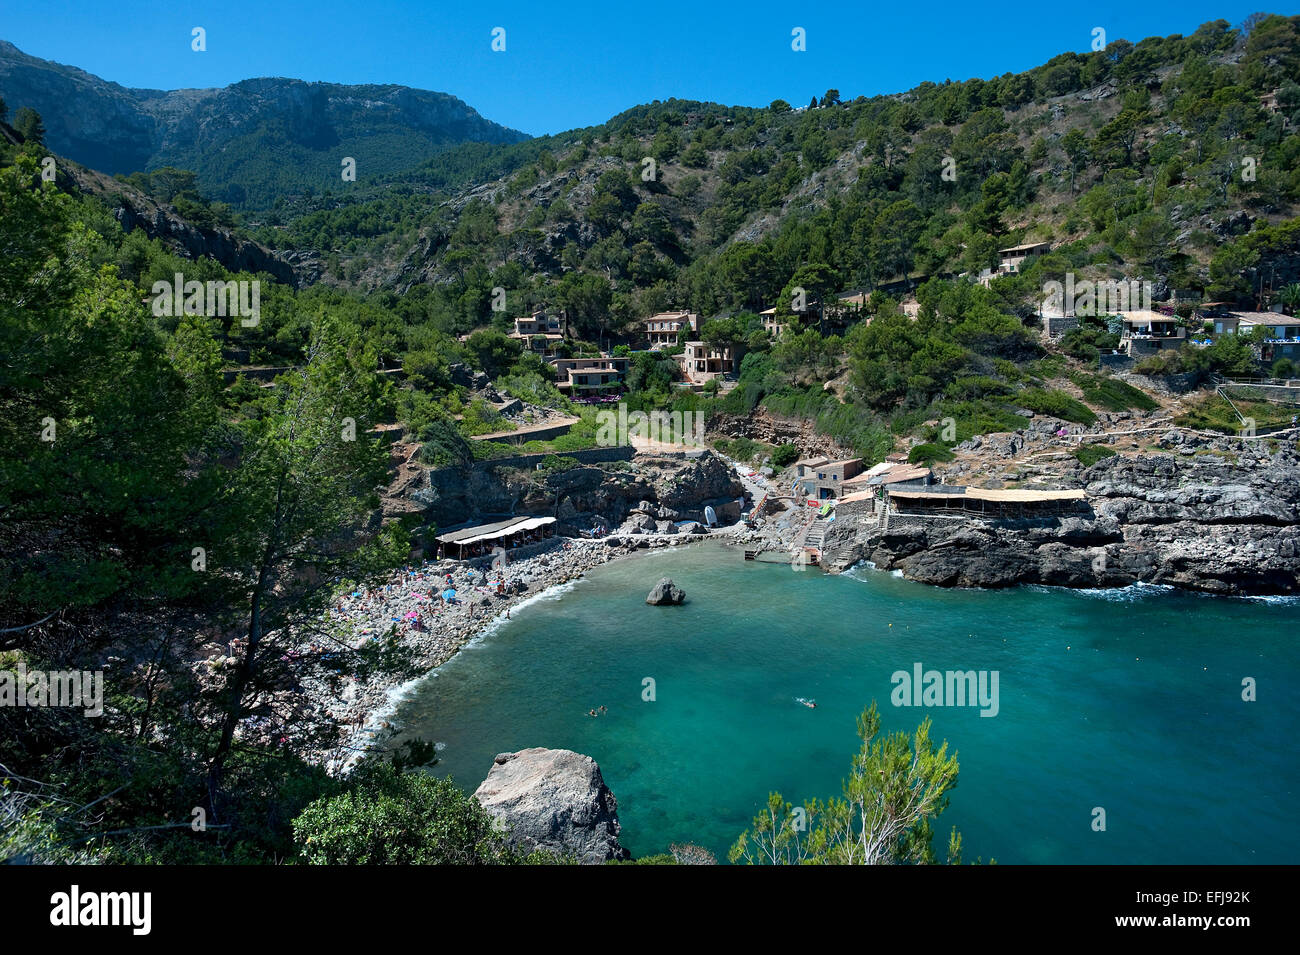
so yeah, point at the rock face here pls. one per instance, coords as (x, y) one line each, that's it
(555, 800)
(134, 210)
(666, 592)
(649, 488)
(1218, 517)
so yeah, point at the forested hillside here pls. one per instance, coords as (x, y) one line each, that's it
(1130, 158)
(248, 143)
(153, 511)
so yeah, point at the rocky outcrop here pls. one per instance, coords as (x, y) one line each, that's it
(1219, 516)
(671, 487)
(665, 593)
(554, 800)
(764, 426)
(134, 210)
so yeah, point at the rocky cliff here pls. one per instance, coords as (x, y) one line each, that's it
(605, 492)
(555, 800)
(1220, 516)
(135, 210)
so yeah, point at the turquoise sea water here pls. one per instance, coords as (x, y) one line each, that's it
(1126, 700)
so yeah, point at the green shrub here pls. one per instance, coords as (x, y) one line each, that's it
(1113, 394)
(1055, 403)
(1090, 454)
(785, 455)
(1167, 362)
(552, 463)
(742, 449)
(929, 453)
(400, 818)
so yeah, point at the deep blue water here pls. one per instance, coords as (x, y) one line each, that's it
(1126, 700)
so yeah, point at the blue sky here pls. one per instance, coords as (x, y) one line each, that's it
(576, 64)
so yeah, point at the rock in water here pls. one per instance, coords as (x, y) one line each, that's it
(555, 800)
(666, 592)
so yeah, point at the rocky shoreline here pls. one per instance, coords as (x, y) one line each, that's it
(1214, 515)
(362, 711)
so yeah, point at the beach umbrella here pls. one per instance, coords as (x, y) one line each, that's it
(448, 594)
(412, 616)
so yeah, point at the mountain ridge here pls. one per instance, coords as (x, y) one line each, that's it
(249, 141)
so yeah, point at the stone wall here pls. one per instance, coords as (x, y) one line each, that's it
(589, 456)
(1058, 325)
(537, 434)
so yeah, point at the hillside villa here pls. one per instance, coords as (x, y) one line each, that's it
(1011, 260)
(1282, 336)
(837, 315)
(700, 362)
(771, 324)
(576, 376)
(661, 330)
(823, 478)
(540, 331)
(1147, 332)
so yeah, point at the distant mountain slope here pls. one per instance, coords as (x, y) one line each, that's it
(249, 142)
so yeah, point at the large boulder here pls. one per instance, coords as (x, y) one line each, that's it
(554, 800)
(665, 592)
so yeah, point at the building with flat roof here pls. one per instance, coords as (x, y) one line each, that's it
(1282, 333)
(1146, 332)
(585, 375)
(541, 331)
(771, 323)
(700, 362)
(480, 540)
(823, 478)
(990, 502)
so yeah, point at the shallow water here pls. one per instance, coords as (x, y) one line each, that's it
(1127, 700)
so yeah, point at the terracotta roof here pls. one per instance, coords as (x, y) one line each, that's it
(887, 473)
(858, 496)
